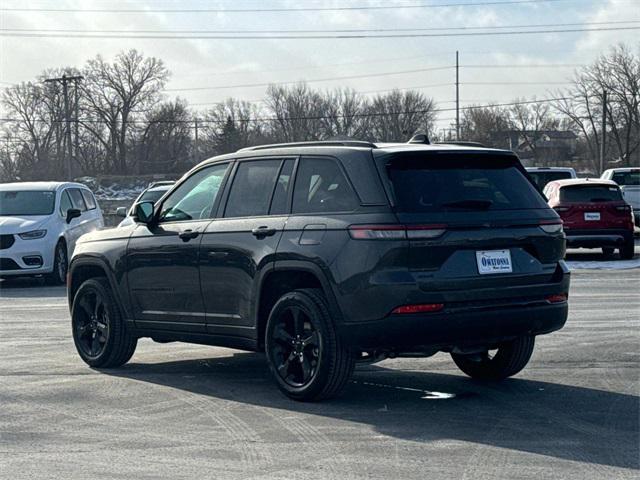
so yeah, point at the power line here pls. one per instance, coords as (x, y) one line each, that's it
(308, 31)
(278, 9)
(326, 79)
(310, 37)
(318, 117)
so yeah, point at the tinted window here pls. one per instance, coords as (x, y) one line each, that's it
(89, 200)
(627, 178)
(460, 183)
(152, 195)
(542, 178)
(76, 199)
(194, 198)
(281, 192)
(590, 193)
(252, 188)
(27, 203)
(322, 187)
(65, 203)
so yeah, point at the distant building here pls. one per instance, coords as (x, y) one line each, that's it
(544, 147)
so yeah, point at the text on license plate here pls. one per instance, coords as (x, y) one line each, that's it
(494, 261)
(591, 216)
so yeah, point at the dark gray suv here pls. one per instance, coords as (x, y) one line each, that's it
(326, 254)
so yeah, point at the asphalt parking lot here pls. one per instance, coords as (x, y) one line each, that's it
(185, 411)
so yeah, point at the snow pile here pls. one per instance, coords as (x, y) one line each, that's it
(603, 265)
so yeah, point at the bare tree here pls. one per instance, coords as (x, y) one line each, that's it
(298, 112)
(617, 73)
(165, 142)
(530, 120)
(231, 125)
(118, 93)
(480, 124)
(397, 115)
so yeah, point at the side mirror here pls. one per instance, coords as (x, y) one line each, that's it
(121, 212)
(144, 212)
(73, 213)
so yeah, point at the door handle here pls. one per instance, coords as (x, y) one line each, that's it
(262, 232)
(187, 235)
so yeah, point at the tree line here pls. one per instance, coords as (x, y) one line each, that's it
(123, 123)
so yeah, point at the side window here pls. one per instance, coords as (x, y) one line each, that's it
(321, 186)
(76, 199)
(252, 188)
(88, 199)
(65, 203)
(281, 192)
(195, 197)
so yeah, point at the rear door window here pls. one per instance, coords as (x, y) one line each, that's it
(589, 193)
(321, 186)
(423, 183)
(281, 192)
(252, 188)
(77, 199)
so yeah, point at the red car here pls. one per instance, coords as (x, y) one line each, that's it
(594, 213)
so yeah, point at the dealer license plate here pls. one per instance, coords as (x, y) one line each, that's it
(494, 261)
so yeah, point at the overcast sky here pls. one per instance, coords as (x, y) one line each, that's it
(228, 62)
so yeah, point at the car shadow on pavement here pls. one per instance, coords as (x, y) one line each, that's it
(551, 419)
(26, 287)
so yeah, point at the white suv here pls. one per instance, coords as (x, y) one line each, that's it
(40, 223)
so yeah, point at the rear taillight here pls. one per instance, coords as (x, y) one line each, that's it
(623, 208)
(396, 232)
(557, 298)
(551, 226)
(420, 308)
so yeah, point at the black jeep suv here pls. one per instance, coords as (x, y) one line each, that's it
(325, 254)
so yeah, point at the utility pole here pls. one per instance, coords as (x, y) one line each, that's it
(64, 80)
(196, 153)
(604, 130)
(457, 97)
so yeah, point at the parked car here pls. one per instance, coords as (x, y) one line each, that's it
(629, 181)
(543, 175)
(594, 213)
(40, 223)
(151, 194)
(324, 254)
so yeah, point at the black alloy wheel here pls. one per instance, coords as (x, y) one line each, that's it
(296, 348)
(99, 331)
(91, 324)
(307, 357)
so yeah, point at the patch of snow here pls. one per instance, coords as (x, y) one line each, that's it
(603, 265)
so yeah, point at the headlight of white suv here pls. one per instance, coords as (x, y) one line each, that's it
(33, 234)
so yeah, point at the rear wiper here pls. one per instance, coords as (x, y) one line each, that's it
(472, 204)
(598, 199)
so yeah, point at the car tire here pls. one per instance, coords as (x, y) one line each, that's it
(306, 356)
(100, 334)
(607, 251)
(510, 358)
(60, 264)
(628, 250)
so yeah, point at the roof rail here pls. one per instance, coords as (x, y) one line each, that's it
(320, 143)
(463, 143)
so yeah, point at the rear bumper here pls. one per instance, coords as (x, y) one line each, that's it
(598, 238)
(479, 317)
(457, 329)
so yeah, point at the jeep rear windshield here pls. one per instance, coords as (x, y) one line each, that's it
(590, 193)
(542, 178)
(24, 202)
(431, 183)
